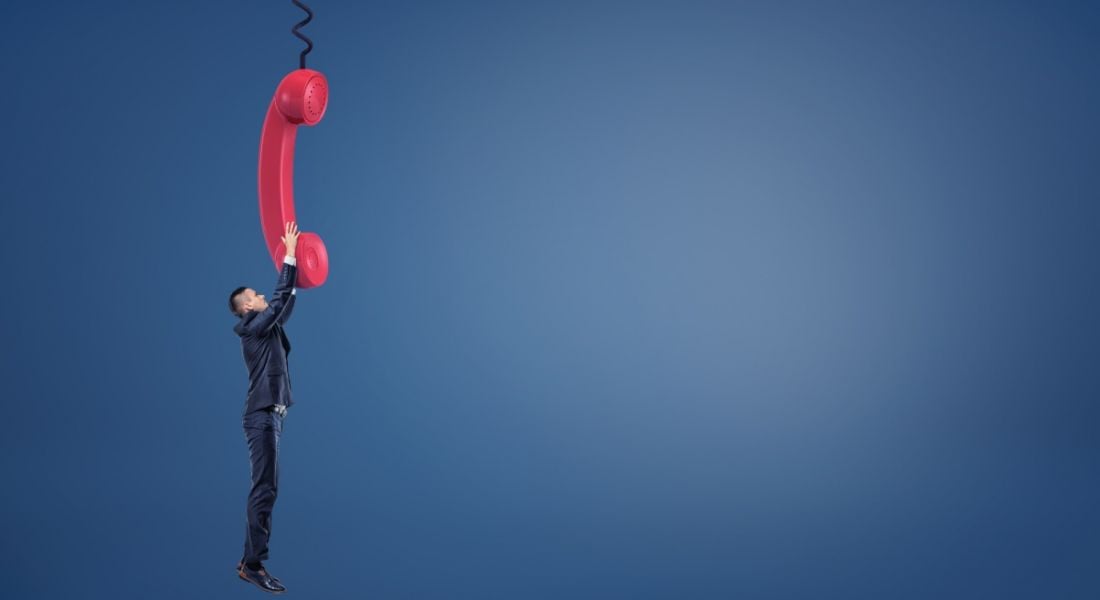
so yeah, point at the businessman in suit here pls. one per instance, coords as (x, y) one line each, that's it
(265, 348)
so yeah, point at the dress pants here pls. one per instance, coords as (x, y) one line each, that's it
(262, 429)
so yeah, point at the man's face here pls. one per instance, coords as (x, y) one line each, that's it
(251, 301)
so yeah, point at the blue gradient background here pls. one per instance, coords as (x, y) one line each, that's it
(628, 300)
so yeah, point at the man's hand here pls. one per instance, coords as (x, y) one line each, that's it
(290, 240)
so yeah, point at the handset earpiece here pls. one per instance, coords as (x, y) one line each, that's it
(301, 98)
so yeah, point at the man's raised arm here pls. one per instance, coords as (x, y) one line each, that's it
(282, 299)
(285, 315)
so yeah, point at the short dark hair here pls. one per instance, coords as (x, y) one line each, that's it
(233, 301)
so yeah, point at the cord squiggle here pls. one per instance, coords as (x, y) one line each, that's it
(294, 30)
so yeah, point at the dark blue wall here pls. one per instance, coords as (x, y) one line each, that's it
(627, 300)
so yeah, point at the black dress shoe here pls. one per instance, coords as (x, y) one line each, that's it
(240, 566)
(262, 579)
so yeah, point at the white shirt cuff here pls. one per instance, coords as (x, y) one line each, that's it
(292, 290)
(290, 260)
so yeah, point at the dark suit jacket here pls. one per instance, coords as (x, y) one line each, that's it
(266, 347)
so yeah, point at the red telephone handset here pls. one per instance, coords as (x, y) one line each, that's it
(300, 98)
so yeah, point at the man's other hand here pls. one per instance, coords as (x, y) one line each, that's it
(290, 240)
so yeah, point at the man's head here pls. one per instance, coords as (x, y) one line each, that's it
(244, 300)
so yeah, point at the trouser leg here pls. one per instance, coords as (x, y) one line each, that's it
(262, 430)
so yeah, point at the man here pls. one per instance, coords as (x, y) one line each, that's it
(265, 348)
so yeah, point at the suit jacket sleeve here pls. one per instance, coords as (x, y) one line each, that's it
(285, 315)
(284, 291)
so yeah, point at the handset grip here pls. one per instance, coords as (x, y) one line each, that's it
(301, 97)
